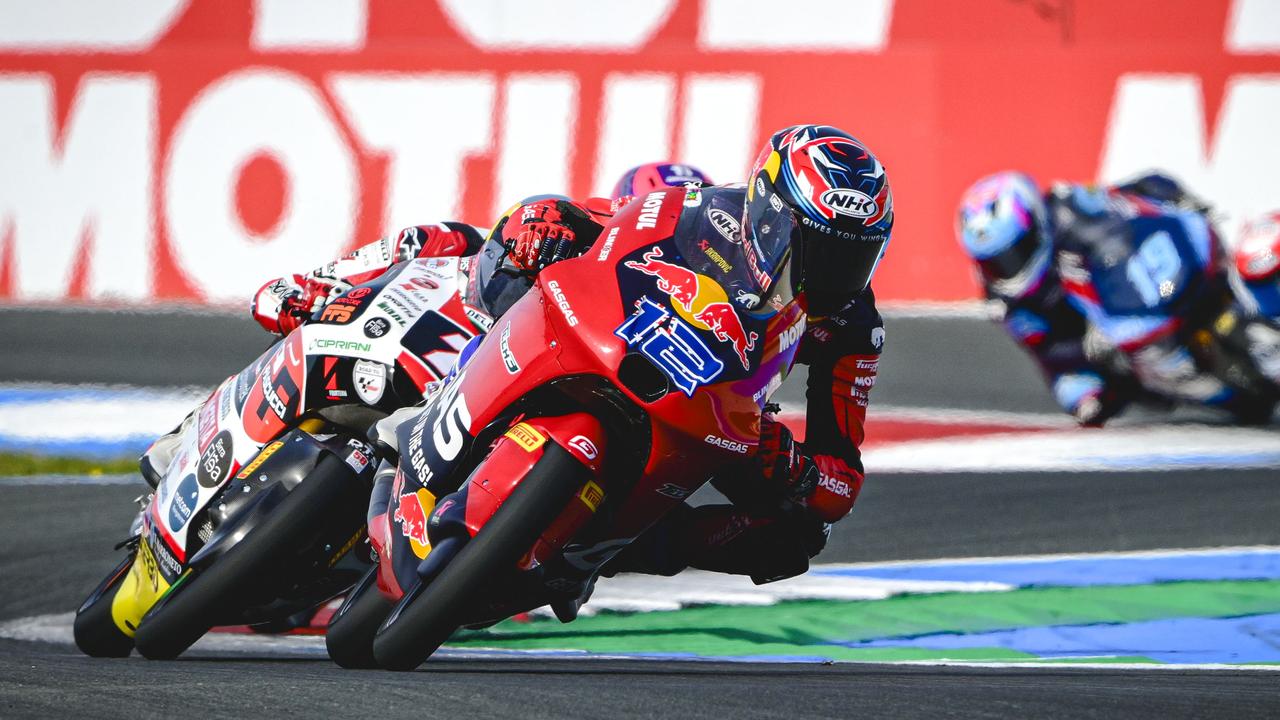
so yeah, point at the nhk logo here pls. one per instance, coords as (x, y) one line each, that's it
(849, 202)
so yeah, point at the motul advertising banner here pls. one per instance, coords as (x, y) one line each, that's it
(185, 150)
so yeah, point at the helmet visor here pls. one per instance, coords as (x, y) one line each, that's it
(837, 266)
(768, 229)
(1011, 261)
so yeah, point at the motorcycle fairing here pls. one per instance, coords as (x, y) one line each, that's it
(1138, 282)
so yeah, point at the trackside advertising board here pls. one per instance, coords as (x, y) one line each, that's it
(185, 150)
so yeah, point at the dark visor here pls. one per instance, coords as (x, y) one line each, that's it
(838, 266)
(1012, 260)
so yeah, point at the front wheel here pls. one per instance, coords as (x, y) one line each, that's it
(427, 616)
(192, 607)
(95, 629)
(349, 638)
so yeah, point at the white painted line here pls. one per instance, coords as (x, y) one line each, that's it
(1170, 447)
(1019, 559)
(1068, 665)
(950, 416)
(639, 593)
(98, 418)
(931, 309)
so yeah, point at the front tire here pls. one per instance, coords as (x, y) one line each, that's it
(426, 616)
(349, 638)
(191, 609)
(95, 629)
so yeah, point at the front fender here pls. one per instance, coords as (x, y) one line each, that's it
(516, 453)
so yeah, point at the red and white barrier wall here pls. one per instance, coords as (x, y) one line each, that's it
(160, 150)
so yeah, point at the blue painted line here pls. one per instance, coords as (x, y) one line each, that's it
(79, 447)
(1254, 638)
(1084, 571)
(1143, 462)
(33, 395)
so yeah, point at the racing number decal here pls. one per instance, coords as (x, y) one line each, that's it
(1154, 268)
(674, 347)
(450, 431)
(276, 394)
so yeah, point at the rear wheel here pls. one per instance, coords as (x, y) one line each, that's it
(349, 638)
(262, 557)
(95, 629)
(427, 616)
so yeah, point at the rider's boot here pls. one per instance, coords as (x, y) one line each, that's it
(156, 460)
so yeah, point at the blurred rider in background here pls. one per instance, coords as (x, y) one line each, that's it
(1013, 233)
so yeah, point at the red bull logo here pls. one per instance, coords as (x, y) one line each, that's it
(723, 321)
(699, 300)
(679, 282)
(411, 512)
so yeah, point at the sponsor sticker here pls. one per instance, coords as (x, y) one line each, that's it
(726, 443)
(183, 502)
(411, 512)
(648, 217)
(358, 460)
(215, 462)
(562, 303)
(508, 357)
(726, 224)
(526, 437)
(850, 202)
(592, 495)
(257, 461)
(370, 379)
(583, 444)
(377, 327)
(672, 490)
(607, 247)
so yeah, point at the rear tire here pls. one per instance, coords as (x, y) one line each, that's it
(349, 638)
(188, 612)
(96, 632)
(426, 617)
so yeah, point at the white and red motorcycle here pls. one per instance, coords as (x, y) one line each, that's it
(258, 516)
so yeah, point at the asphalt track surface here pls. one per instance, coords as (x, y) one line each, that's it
(55, 544)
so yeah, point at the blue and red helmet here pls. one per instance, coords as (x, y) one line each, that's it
(1002, 227)
(1257, 259)
(646, 178)
(821, 191)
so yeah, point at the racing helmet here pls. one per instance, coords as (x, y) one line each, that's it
(817, 195)
(1002, 227)
(1257, 261)
(656, 176)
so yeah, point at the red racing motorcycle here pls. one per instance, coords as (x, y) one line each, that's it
(599, 402)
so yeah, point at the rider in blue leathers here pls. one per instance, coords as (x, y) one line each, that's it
(1027, 246)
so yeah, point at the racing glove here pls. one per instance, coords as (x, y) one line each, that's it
(281, 305)
(825, 484)
(540, 235)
